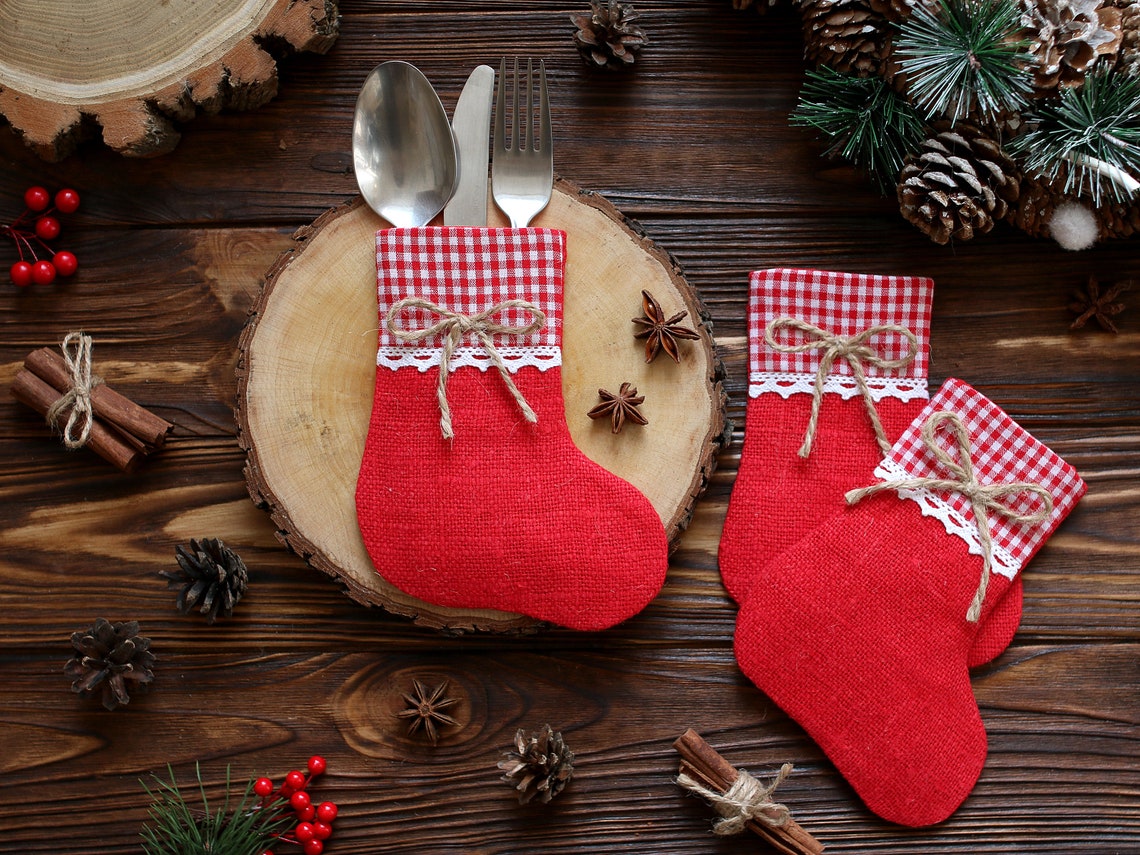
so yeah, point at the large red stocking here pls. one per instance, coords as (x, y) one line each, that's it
(471, 492)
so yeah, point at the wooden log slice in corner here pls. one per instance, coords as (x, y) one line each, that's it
(138, 68)
(307, 368)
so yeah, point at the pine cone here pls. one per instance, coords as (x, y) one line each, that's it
(209, 573)
(541, 765)
(848, 36)
(108, 657)
(1118, 219)
(607, 37)
(1035, 205)
(958, 183)
(1128, 58)
(1066, 37)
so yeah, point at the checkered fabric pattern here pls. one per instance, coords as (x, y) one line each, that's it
(1003, 452)
(469, 270)
(843, 304)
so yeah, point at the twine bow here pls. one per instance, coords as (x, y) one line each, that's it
(76, 349)
(856, 349)
(982, 497)
(747, 799)
(453, 326)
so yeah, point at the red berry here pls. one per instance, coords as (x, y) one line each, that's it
(306, 814)
(322, 830)
(47, 228)
(299, 800)
(43, 272)
(21, 274)
(67, 200)
(326, 812)
(37, 198)
(266, 852)
(304, 831)
(65, 265)
(295, 780)
(262, 786)
(314, 847)
(317, 764)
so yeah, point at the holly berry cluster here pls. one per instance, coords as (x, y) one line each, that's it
(314, 822)
(35, 227)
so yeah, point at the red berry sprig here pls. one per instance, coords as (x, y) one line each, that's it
(37, 225)
(314, 822)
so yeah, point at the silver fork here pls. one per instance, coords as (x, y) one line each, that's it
(522, 174)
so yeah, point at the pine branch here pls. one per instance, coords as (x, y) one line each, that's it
(1089, 139)
(866, 122)
(178, 829)
(964, 58)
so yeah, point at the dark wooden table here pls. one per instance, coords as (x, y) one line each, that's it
(695, 146)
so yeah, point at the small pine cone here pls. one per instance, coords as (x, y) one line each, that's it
(1035, 206)
(210, 574)
(847, 36)
(541, 765)
(108, 657)
(1067, 37)
(1118, 219)
(958, 184)
(1128, 58)
(607, 36)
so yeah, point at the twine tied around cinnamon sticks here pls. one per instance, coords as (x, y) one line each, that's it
(453, 326)
(76, 399)
(747, 799)
(982, 497)
(858, 352)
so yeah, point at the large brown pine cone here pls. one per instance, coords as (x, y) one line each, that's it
(848, 36)
(958, 184)
(1066, 37)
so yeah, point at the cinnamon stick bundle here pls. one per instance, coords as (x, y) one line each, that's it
(121, 431)
(700, 762)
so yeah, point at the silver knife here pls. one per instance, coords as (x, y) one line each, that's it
(471, 125)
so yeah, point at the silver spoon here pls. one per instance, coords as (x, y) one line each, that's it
(402, 146)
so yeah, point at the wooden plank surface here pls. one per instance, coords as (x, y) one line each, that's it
(694, 145)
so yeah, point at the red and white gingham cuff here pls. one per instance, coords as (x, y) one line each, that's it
(842, 304)
(1002, 452)
(469, 270)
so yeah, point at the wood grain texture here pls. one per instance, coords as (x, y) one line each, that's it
(694, 145)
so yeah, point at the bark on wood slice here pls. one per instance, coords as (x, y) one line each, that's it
(136, 69)
(307, 368)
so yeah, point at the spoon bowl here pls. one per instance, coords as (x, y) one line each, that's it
(403, 149)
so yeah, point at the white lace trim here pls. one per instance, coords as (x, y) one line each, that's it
(422, 359)
(931, 505)
(786, 384)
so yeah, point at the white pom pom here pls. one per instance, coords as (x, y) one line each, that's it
(1073, 226)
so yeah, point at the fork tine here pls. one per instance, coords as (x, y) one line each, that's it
(500, 142)
(515, 111)
(545, 134)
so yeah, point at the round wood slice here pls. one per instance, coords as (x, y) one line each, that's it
(307, 368)
(137, 68)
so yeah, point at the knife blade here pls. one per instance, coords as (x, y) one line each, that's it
(471, 124)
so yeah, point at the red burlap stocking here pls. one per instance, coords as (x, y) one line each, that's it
(471, 492)
(830, 354)
(861, 631)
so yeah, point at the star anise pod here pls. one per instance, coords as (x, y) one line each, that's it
(660, 332)
(620, 408)
(426, 709)
(1090, 302)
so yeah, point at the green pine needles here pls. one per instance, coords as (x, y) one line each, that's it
(178, 829)
(865, 121)
(1089, 138)
(965, 57)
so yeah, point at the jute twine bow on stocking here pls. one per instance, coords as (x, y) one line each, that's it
(76, 400)
(747, 799)
(856, 349)
(982, 497)
(453, 326)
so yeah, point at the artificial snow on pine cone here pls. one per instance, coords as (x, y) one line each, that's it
(847, 36)
(1066, 37)
(1128, 57)
(109, 659)
(958, 184)
(211, 576)
(608, 35)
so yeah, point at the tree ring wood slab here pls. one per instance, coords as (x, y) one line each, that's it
(136, 69)
(307, 368)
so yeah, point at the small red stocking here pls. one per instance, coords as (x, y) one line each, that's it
(837, 371)
(861, 631)
(471, 492)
